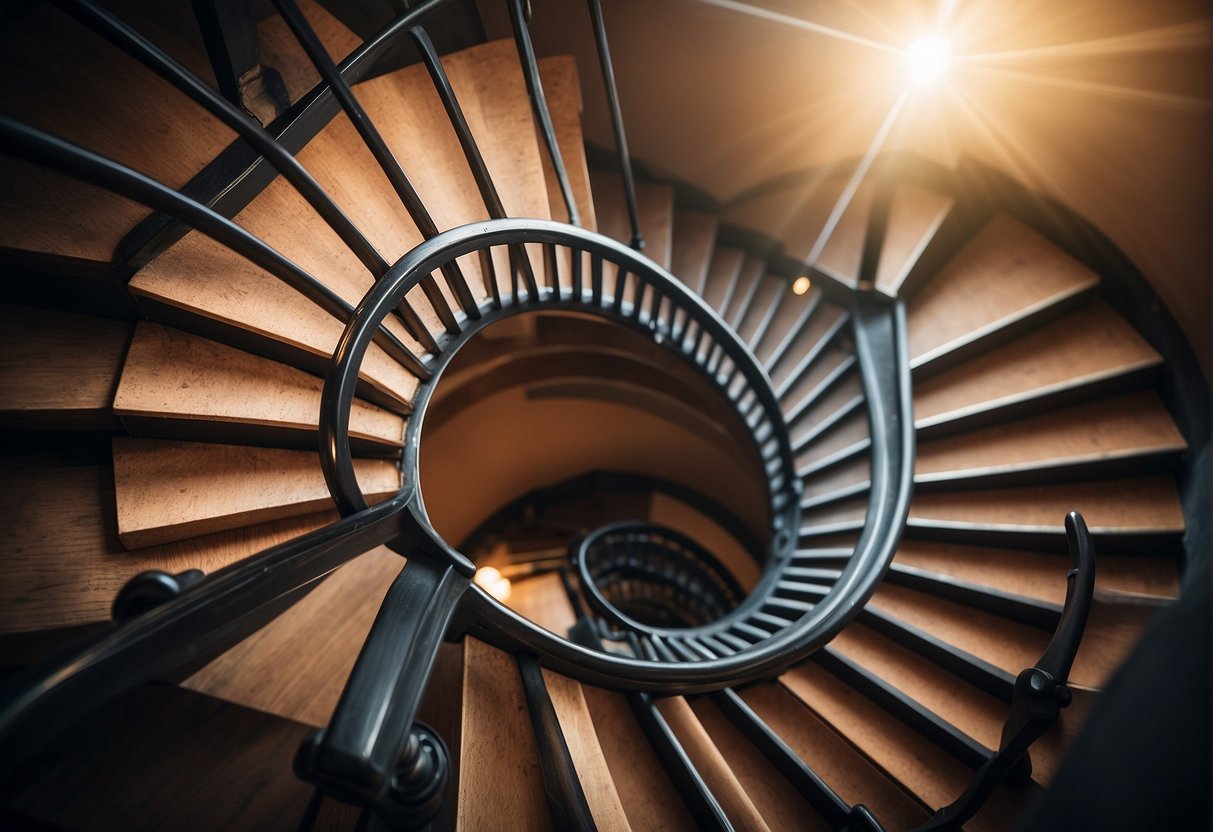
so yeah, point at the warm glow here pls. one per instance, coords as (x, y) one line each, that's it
(801, 285)
(493, 582)
(928, 60)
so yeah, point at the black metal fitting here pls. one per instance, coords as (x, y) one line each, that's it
(150, 589)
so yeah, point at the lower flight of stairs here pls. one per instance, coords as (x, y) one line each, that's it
(186, 439)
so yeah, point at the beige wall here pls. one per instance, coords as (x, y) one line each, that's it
(1101, 104)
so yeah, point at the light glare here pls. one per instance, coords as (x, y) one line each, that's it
(801, 285)
(491, 580)
(928, 60)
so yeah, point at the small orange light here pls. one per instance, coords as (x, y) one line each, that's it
(493, 582)
(801, 285)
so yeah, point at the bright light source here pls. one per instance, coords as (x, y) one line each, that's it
(928, 59)
(493, 582)
(801, 285)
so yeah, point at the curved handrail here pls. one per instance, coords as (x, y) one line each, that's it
(879, 325)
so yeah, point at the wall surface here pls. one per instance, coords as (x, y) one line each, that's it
(1100, 104)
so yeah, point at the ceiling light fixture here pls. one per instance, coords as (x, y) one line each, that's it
(928, 59)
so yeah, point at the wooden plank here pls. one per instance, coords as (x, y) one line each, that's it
(58, 370)
(1118, 428)
(1132, 505)
(1006, 272)
(722, 276)
(654, 203)
(712, 765)
(746, 291)
(1039, 575)
(562, 88)
(498, 757)
(777, 800)
(843, 250)
(851, 775)
(177, 385)
(1084, 348)
(64, 563)
(915, 215)
(644, 788)
(297, 665)
(694, 239)
(543, 600)
(161, 757)
(922, 768)
(168, 490)
(592, 770)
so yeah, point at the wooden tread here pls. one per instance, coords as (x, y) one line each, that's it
(1126, 431)
(916, 216)
(183, 386)
(497, 742)
(562, 89)
(168, 491)
(58, 370)
(1083, 354)
(64, 562)
(1005, 275)
(654, 203)
(693, 246)
(297, 665)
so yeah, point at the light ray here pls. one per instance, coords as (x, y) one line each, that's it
(798, 23)
(861, 170)
(1130, 94)
(1181, 36)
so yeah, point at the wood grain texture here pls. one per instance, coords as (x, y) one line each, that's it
(297, 665)
(654, 203)
(712, 764)
(562, 88)
(588, 760)
(915, 214)
(920, 767)
(64, 563)
(1146, 503)
(1115, 428)
(644, 788)
(837, 762)
(168, 491)
(1003, 272)
(1089, 345)
(777, 800)
(182, 379)
(58, 370)
(1039, 575)
(161, 757)
(499, 760)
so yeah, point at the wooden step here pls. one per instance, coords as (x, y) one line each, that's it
(1133, 516)
(1127, 433)
(917, 765)
(590, 763)
(791, 313)
(499, 761)
(65, 563)
(712, 764)
(722, 277)
(916, 216)
(182, 386)
(297, 665)
(655, 205)
(693, 246)
(562, 89)
(168, 491)
(844, 769)
(643, 785)
(778, 802)
(842, 250)
(763, 305)
(745, 292)
(821, 332)
(542, 599)
(77, 86)
(161, 757)
(1039, 575)
(1007, 276)
(1112, 629)
(1087, 353)
(58, 370)
(846, 440)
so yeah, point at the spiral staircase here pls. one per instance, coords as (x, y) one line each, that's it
(903, 382)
